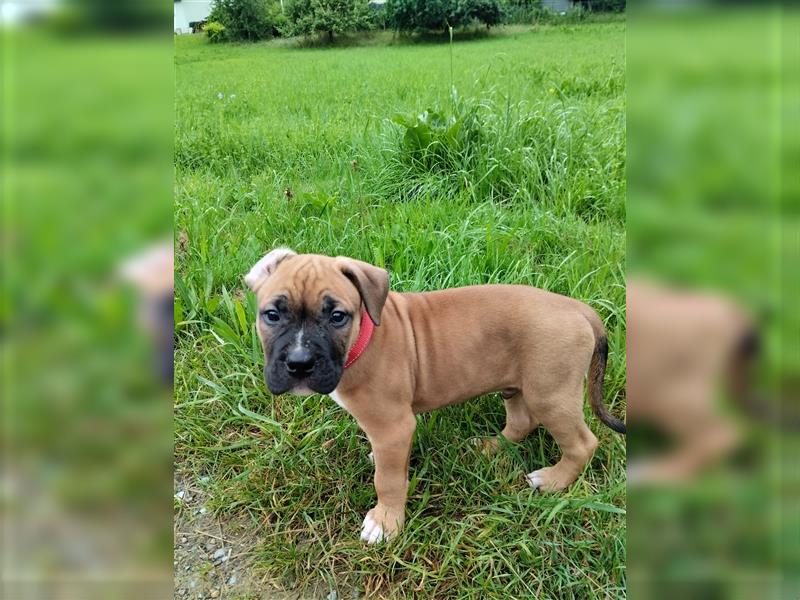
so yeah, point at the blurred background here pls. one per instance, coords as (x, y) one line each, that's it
(713, 363)
(713, 234)
(86, 179)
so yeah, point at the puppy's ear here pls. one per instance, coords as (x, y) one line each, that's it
(371, 282)
(266, 266)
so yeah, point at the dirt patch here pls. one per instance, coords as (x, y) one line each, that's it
(214, 558)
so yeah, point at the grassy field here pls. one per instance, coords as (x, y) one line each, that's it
(517, 177)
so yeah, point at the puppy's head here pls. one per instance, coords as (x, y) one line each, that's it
(309, 313)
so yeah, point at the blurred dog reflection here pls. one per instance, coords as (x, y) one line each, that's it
(683, 349)
(151, 273)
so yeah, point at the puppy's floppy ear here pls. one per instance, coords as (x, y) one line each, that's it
(266, 266)
(371, 282)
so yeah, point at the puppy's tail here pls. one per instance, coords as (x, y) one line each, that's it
(597, 372)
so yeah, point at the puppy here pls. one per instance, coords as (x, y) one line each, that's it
(331, 326)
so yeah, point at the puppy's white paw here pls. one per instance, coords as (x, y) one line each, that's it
(549, 479)
(371, 531)
(534, 479)
(371, 457)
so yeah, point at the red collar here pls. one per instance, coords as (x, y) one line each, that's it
(364, 336)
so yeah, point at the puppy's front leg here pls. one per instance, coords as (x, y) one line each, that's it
(391, 445)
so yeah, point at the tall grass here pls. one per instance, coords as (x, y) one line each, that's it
(547, 152)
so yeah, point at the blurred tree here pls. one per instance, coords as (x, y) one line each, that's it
(121, 15)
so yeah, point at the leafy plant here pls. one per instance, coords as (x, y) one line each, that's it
(305, 17)
(488, 12)
(438, 15)
(436, 141)
(249, 20)
(215, 31)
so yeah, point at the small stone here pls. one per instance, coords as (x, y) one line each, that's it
(180, 495)
(203, 510)
(205, 479)
(184, 539)
(333, 595)
(183, 592)
(214, 593)
(193, 583)
(218, 554)
(232, 580)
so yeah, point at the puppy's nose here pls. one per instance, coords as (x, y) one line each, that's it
(300, 362)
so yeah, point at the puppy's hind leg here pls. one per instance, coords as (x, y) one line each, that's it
(565, 423)
(519, 421)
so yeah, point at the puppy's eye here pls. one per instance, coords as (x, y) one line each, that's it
(271, 315)
(339, 317)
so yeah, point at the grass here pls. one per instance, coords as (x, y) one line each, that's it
(302, 149)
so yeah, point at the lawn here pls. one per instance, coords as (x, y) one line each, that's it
(516, 177)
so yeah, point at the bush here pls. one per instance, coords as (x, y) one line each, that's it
(249, 20)
(438, 15)
(487, 12)
(305, 17)
(215, 31)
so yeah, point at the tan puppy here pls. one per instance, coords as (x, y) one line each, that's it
(429, 350)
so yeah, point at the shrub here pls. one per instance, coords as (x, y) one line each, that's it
(487, 12)
(249, 20)
(438, 15)
(305, 17)
(215, 31)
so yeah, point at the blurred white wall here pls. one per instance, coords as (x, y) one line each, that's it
(188, 11)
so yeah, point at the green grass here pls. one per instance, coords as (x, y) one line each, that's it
(530, 190)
